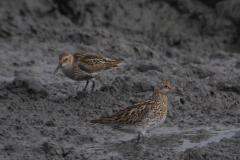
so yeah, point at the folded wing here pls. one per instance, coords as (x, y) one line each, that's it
(96, 63)
(129, 116)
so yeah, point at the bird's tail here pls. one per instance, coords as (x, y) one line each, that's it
(116, 62)
(102, 121)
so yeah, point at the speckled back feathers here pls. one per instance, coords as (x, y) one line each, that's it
(144, 112)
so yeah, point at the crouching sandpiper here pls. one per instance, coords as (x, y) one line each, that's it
(142, 116)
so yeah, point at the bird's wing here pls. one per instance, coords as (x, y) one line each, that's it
(94, 63)
(130, 115)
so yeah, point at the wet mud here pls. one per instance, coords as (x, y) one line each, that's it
(192, 44)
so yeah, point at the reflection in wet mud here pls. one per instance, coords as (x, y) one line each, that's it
(190, 141)
(181, 141)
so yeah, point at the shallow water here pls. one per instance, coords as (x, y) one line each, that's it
(194, 139)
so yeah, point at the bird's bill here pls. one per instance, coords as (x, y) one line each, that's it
(58, 67)
(176, 92)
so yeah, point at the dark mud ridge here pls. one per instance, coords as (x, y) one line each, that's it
(192, 44)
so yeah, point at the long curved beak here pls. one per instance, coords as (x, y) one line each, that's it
(176, 92)
(58, 67)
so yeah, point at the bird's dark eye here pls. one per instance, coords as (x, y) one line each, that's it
(166, 86)
(65, 59)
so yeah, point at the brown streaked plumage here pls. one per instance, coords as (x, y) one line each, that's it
(84, 66)
(143, 115)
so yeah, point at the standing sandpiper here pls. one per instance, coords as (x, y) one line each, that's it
(144, 115)
(84, 66)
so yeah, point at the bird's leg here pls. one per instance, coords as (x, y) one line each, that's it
(86, 85)
(143, 139)
(138, 139)
(93, 86)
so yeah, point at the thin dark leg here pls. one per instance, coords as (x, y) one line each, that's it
(93, 86)
(143, 139)
(86, 85)
(138, 139)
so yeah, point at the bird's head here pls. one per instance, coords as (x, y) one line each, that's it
(164, 88)
(65, 59)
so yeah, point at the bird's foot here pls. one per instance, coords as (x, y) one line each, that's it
(82, 94)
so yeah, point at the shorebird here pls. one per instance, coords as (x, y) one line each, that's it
(84, 66)
(144, 115)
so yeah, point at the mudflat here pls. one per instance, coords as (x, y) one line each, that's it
(192, 44)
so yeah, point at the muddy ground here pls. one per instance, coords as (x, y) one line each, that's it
(192, 44)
